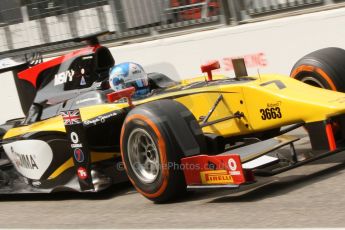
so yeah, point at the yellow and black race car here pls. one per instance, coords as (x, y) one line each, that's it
(202, 133)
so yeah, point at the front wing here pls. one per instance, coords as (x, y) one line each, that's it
(237, 167)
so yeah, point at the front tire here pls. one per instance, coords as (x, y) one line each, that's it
(324, 68)
(154, 138)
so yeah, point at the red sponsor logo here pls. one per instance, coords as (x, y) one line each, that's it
(251, 61)
(255, 60)
(82, 173)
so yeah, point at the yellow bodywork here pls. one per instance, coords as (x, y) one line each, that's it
(297, 102)
(290, 100)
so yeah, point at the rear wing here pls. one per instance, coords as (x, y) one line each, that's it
(9, 64)
(26, 87)
(17, 64)
(20, 62)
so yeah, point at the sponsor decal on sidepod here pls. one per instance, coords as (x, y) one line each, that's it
(30, 157)
(24, 160)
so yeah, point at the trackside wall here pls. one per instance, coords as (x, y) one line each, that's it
(271, 46)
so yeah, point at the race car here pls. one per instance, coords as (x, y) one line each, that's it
(210, 132)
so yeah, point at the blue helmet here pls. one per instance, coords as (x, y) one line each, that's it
(129, 74)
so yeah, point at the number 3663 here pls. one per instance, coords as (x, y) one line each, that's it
(270, 113)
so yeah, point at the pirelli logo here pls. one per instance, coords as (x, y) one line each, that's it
(216, 177)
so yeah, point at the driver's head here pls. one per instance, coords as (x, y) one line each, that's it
(129, 74)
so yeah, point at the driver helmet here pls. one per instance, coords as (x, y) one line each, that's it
(129, 74)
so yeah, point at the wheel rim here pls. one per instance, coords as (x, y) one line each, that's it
(143, 155)
(312, 81)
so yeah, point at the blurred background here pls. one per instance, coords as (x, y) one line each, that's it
(41, 24)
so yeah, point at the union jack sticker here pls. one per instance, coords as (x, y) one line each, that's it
(71, 117)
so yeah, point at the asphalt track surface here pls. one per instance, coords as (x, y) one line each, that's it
(309, 196)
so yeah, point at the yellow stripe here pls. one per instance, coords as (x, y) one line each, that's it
(68, 164)
(100, 156)
(56, 123)
(95, 157)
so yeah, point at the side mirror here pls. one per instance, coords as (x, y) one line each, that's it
(127, 93)
(207, 68)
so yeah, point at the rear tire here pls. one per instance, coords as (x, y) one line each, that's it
(324, 68)
(154, 138)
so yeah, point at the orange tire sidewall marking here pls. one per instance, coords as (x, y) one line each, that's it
(323, 74)
(162, 154)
